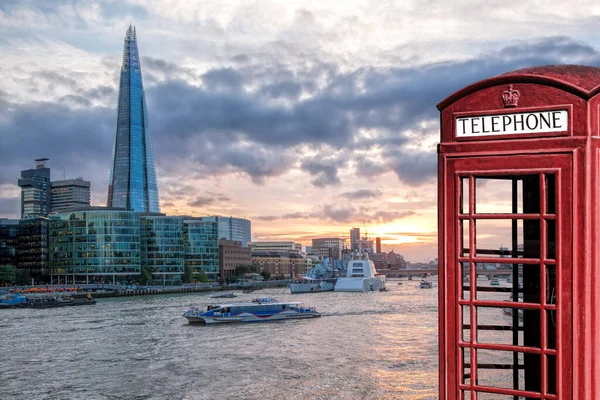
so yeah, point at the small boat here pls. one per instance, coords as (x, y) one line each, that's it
(263, 300)
(249, 312)
(383, 289)
(495, 282)
(425, 284)
(399, 283)
(54, 302)
(15, 301)
(224, 296)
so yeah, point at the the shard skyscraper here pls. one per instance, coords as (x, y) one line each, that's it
(132, 176)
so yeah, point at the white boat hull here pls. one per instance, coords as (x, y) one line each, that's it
(360, 284)
(249, 317)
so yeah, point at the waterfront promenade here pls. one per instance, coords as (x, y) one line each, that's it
(110, 290)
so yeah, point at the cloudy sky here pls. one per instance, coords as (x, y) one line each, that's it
(307, 117)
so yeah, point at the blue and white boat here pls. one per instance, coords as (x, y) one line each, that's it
(249, 312)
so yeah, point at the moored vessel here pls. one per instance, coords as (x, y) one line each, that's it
(308, 285)
(249, 312)
(361, 276)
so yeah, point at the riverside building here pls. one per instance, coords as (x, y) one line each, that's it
(231, 228)
(231, 255)
(112, 245)
(201, 246)
(132, 184)
(276, 246)
(95, 244)
(161, 239)
(9, 237)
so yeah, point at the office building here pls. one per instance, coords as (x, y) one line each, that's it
(95, 244)
(32, 247)
(201, 246)
(328, 247)
(354, 238)
(9, 238)
(35, 191)
(230, 228)
(161, 250)
(231, 255)
(281, 264)
(132, 184)
(69, 194)
(378, 245)
(290, 247)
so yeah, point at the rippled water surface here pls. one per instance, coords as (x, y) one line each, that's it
(377, 345)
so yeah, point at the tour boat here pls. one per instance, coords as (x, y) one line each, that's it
(361, 276)
(249, 312)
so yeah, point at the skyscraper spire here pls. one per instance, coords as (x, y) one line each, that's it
(133, 176)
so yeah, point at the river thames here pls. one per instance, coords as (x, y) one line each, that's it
(376, 345)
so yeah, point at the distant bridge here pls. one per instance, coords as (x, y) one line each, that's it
(401, 273)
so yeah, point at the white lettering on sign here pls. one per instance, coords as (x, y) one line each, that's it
(513, 124)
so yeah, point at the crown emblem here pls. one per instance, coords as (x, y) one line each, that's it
(510, 97)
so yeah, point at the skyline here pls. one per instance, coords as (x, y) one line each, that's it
(306, 118)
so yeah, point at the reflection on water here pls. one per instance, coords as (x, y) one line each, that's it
(378, 345)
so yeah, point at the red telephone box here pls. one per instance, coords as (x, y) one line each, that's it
(519, 244)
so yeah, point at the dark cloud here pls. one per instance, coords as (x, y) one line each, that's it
(78, 141)
(223, 79)
(325, 170)
(255, 118)
(202, 201)
(342, 214)
(390, 101)
(362, 194)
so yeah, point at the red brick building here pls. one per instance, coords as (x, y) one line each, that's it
(231, 255)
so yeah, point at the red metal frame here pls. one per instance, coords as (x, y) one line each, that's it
(558, 165)
(573, 159)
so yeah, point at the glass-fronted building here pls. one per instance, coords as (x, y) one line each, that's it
(161, 239)
(95, 245)
(132, 183)
(230, 228)
(9, 237)
(201, 246)
(32, 247)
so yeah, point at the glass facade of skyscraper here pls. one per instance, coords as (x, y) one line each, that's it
(161, 240)
(99, 243)
(230, 228)
(133, 176)
(201, 246)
